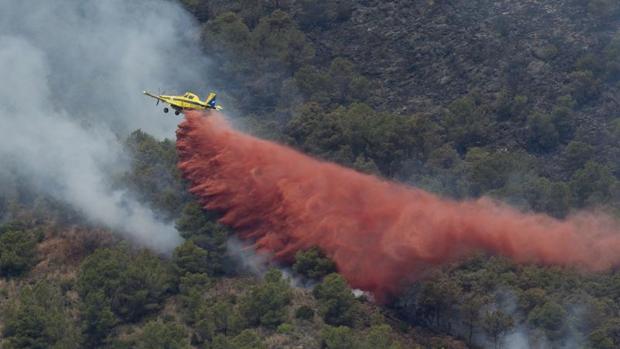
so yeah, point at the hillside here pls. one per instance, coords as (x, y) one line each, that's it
(533, 83)
(513, 100)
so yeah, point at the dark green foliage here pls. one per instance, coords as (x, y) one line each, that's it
(487, 171)
(218, 318)
(339, 85)
(191, 290)
(511, 108)
(285, 328)
(277, 37)
(346, 133)
(564, 120)
(496, 323)
(542, 135)
(258, 61)
(159, 335)
(114, 285)
(468, 123)
(479, 295)
(340, 337)
(470, 309)
(248, 339)
(39, 319)
(96, 317)
(606, 336)
(206, 235)
(445, 164)
(576, 154)
(143, 287)
(434, 301)
(348, 85)
(604, 64)
(304, 312)
(153, 175)
(538, 193)
(313, 264)
(337, 305)
(546, 132)
(18, 253)
(531, 298)
(592, 184)
(227, 33)
(190, 259)
(611, 56)
(584, 87)
(550, 317)
(379, 336)
(315, 84)
(266, 304)
(324, 13)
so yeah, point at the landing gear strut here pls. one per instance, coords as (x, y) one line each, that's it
(165, 110)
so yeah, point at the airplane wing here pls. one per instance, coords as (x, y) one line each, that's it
(154, 96)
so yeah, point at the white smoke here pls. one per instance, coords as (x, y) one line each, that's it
(259, 263)
(249, 260)
(72, 76)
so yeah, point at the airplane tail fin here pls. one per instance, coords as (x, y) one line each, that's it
(210, 101)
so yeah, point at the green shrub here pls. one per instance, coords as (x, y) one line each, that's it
(593, 184)
(304, 313)
(38, 318)
(285, 328)
(266, 303)
(550, 317)
(337, 305)
(160, 335)
(207, 236)
(18, 253)
(190, 259)
(542, 134)
(340, 337)
(313, 264)
(248, 339)
(114, 284)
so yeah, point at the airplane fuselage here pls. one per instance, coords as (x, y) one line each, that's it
(184, 103)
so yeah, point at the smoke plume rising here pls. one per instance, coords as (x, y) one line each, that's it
(381, 235)
(73, 73)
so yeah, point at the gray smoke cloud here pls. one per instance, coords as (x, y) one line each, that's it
(72, 76)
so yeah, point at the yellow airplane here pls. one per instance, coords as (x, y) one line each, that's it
(188, 101)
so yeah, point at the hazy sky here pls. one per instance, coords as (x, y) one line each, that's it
(73, 74)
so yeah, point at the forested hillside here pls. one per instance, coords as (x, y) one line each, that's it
(516, 100)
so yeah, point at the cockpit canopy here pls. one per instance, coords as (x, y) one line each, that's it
(190, 95)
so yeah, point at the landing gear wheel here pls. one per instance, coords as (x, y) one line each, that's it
(165, 110)
(177, 112)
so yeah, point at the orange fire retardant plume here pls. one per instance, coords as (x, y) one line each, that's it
(382, 235)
